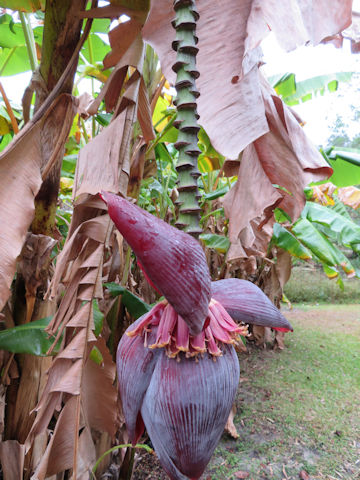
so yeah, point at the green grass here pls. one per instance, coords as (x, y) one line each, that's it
(312, 286)
(299, 408)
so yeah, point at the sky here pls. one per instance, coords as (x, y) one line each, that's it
(319, 114)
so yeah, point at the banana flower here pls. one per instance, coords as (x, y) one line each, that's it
(178, 371)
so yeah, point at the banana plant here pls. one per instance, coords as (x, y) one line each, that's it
(293, 92)
(320, 234)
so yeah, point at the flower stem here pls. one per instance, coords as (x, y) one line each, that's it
(185, 68)
(118, 447)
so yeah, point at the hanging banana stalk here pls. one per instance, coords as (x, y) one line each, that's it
(187, 93)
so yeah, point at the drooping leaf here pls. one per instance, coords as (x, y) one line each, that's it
(293, 92)
(99, 403)
(231, 78)
(287, 241)
(229, 88)
(346, 166)
(100, 174)
(22, 160)
(280, 163)
(348, 230)
(135, 306)
(330, 272)
(320, 246)
(12, 455)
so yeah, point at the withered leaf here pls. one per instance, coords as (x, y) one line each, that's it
(100, 403)
(230, 426)
(59, 452)
(12, 456)
(230, 105)
(21, 169)
(280, 163)
(121, 37)
(241, 474)
(303, 475)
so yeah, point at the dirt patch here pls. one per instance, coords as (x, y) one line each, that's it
(344, 318)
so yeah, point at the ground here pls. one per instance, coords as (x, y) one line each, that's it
(298, 409)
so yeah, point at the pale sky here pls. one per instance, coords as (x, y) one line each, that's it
(306, 62)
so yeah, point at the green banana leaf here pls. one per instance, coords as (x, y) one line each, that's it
(94, 48)
(346, 166)
(284, 85)
(209, 159)
(218, 242)
(98, 318)
(220, 192)
(287, 241)
(29, 338)
(14, 60)
(347, 230)
(161, 121)
(320, 246)
(135, 306)
(293, 92)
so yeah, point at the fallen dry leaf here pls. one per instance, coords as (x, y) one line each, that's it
(230, 426)
(241, 474)
(303, 475)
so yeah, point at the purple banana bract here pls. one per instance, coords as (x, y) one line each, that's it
(174, 261)
(177, 368)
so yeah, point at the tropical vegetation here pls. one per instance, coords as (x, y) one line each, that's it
(225, 160)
